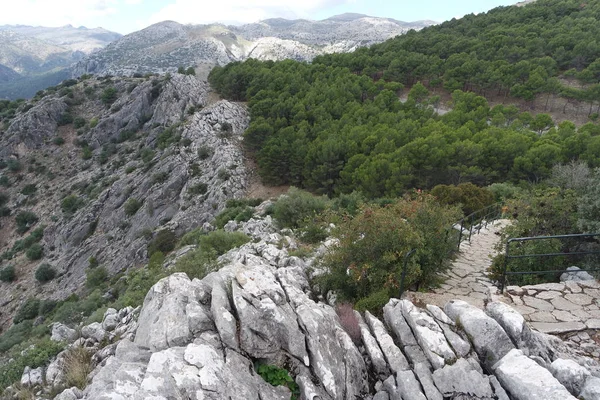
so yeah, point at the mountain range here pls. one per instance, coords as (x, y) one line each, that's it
(165, 46)
(33, 58)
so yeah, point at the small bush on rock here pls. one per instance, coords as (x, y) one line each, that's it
(34, 252)
(7, 274)
(132, 206)
(96, 277)
(25, 220)
(291, 210)
(45, 273)
(164, 241)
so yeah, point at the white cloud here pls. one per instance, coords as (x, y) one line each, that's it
(57, 12)
(239, 11)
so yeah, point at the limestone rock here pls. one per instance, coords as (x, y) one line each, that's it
(575, 274)
(524, 379)
(62, 333)
(591, 389)
(460, 379)
(572, 375)
(93, 331)
(487, 336)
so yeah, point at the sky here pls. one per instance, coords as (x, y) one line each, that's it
(126, 16)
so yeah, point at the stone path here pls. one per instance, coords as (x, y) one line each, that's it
(467, 280)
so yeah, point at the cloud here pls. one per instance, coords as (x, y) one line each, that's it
(240, 11)
(57, 12)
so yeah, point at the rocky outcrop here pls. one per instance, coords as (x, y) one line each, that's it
(201, 339)
(159, 144)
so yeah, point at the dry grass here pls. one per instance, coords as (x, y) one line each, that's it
(77, 365)
(349, 321)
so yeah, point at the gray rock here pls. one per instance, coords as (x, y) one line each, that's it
(393, 354)
(498, 389)
(460, 379)
(487, 336)
(32, 377)
(591, 389)
(381, 396)
(375, 355)
(408, 386)
(111, 320)
(62, 333)
(163, 320)
(572, 375)
(392, 314)
(524, 379)
(69, 394)
(426, 379)
(428, 334)
(93, 331)
(575, 274)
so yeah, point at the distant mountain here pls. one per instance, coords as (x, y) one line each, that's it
(32, 58)
(165, 46)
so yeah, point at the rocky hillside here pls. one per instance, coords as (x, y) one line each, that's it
(32, 58)
(95, 168)
(253, 330)
(161, 46)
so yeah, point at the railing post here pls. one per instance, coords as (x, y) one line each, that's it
(506, 257)
(470, 228)
(462, 223)
(406, 257)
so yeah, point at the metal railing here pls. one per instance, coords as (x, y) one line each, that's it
(474, 221)
(509, 256)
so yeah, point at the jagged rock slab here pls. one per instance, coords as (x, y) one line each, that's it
(460, 379)
(525, 379)
(489, 339)
(393, 354)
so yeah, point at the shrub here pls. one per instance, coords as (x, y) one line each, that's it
(14, 165)
(93, 122)
(239, 214)
(45, 273)
(470, 197)
(373, 245)
(108, 96)
(137, 282)
(205, 152)
(35, 252)
(58, 141)
(65, 119)
(160, 177)
(25, 220)
(198, 263)
(132, 206)
(198, 189)
(28, 310)
(291, 210)
(164, 242)
(7, 274)
(79, 122)
(221, 241)
(96, 277)
(4, 198)
(278, 377)
(374, 302)
(70, 204)
(223, 174)
(34, 357)
(29, 189)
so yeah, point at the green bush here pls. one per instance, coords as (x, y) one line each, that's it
(35, 252)
(14, 165)
(294, 208)
(278, 377)
(221, 242)
(45, 273)
(79, 122)
(58, 141)
(164, 242)
(17, 333)
(29, 189)
(28, 310)
(7, 274)
(132, 206)
(108, 96)
(239, 214)
(70, 204)
(198, 189)
(198, 263)
(93, 122)
(135, 285)
(65, 119)
(470, 197)
(373, 245)
(35, 357)
(96, 277)
(25, 220)
(205, 152)
(374, 302)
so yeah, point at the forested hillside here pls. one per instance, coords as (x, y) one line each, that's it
(338, 125)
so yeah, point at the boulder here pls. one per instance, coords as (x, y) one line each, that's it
(487, 336)
(591, 389)
(93, 331)
(576, 274)
(461, 379)
(572, 375)
(62, 333)
(525, 379)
